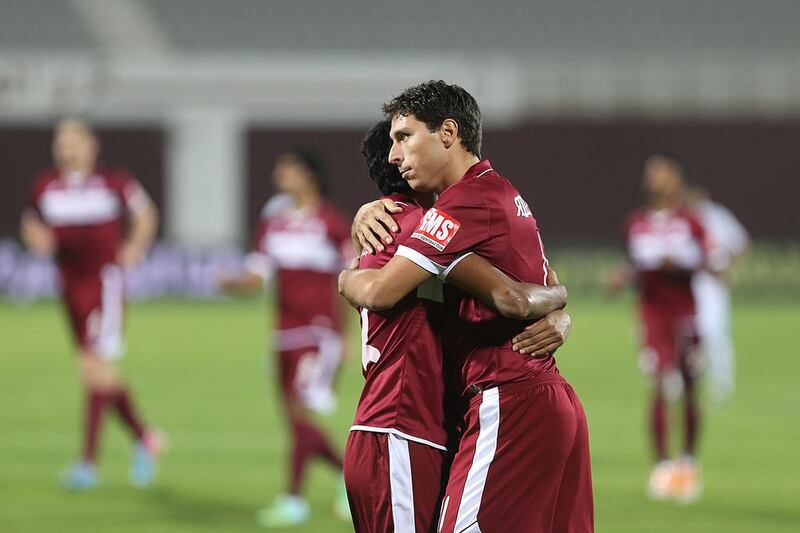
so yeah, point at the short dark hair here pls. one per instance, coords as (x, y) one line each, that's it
(314, 164)
(433, 102)
(375, 148)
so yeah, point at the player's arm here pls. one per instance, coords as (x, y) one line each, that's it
(377, 289)
(512, 299)
(257, 270)
(545, 335)
(37, 236)
(143, 227)
(373, 225)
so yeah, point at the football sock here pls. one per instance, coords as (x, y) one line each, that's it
(658, 425)
(691, 422)
(308, 442)
(93, 418)
(123, 404)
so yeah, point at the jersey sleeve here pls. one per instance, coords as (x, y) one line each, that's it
(455, 227)
(736, 235)
(339, 233)
(133, 194)
(32, 207)
(257, 261)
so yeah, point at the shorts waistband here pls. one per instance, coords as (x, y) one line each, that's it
(474, 391)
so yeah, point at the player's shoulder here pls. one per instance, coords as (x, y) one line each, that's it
(411, 209)
(114, 177)
(44, 178)
(276, 206)
(637, 216)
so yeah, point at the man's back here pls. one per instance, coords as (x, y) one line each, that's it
(404, 390)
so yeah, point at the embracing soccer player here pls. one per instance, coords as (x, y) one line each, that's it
(523, 459)
(396, 457)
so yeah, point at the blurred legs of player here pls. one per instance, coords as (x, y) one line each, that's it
(307, 365)
(670, 356)
(713, 320)
(393, 484)
(523, 462)
(96, 313)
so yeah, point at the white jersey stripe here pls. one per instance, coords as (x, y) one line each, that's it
(401, 485)
(392, 431)
(489, 415)
(419, 259)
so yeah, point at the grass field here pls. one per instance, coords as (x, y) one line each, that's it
(198, 371)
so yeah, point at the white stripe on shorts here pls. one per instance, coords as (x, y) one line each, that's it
(489, 416)
(400, 485)
(109, 343)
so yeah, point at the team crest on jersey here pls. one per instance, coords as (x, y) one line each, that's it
(437, 228)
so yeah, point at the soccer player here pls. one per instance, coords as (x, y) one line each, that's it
(303, 241)
(729, 242)
(402, 413)
(523, 456)
(666, 247)
(76, 214)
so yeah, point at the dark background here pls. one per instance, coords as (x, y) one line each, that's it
(580, 177)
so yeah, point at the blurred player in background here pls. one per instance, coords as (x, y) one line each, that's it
(303, 241)
(666, 247)
(523, 458)
(728, 241)
(77, 215)
(405, 407)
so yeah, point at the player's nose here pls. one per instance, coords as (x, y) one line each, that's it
(395, 155)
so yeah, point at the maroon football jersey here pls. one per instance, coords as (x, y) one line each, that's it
(484, 214)
(87, 216)
(665, 248)
(404, 390)
(307, 249)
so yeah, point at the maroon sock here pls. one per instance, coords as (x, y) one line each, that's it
(93, 418)
(692, 423)
(302, 448)
(323, 448)
(658, 426)
(124, 407)
(308, 442)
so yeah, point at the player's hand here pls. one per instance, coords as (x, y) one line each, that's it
(617, 279)
(130, 255)
(373, 225)
(39, 237)
(544, 336)
(552, 278)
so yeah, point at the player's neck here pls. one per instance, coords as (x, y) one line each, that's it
(76, 173)
(307, 201)
(458, 168)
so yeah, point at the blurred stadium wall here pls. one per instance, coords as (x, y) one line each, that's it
(197, 97)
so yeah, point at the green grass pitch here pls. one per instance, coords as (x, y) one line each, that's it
(198, 371)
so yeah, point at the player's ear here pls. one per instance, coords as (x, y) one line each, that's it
(448, 132)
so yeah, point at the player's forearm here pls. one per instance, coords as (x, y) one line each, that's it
(144, 226)
(366, 288)
(37, 237)
(247, 283)
(527, 301)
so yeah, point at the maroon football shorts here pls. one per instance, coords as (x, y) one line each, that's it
(393, 484)
(669, 342)
(96, 310)
(308, 361)
(522, 464)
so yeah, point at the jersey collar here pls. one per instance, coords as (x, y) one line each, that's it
(478, 169)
